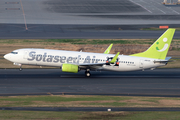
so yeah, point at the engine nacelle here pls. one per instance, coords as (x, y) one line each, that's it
(70, 68)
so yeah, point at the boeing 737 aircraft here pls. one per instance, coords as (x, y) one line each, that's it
(74, 61)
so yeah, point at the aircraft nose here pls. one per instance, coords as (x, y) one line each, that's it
(7, 56)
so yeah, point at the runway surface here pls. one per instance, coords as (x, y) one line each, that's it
(33, 19)
(87, 12)
(159, 82)
(18, 31)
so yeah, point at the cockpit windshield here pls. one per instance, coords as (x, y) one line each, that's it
(14, 52)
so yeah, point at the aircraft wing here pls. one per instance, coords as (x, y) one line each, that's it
(91, 65)
(98, 65)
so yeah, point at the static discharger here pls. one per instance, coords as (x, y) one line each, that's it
(171, 2)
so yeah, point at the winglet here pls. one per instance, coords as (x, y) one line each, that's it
(115, 58)
(107, 51)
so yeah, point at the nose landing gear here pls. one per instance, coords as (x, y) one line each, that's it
(20, 69)
(87, 73)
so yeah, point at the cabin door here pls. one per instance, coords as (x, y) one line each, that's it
(141, 63)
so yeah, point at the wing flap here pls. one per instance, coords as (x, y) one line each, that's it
(91, 64)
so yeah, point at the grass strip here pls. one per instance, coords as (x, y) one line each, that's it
(80, 41)
(87, 101)
(46, 115)
(77, 41)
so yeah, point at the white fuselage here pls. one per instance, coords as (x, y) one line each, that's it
(55, 58)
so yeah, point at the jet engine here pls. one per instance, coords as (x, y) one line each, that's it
(70, 68)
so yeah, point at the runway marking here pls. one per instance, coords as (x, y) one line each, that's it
(155, 6)
(24, 15)
(141, 6)
(173, 10)
(161, 11)
(167, 7)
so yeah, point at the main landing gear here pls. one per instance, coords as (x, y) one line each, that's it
(87, 73)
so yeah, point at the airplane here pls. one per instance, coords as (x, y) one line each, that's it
(75, 61)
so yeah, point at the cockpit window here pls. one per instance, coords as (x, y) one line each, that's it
(14, 52)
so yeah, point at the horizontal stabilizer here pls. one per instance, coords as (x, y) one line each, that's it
(161, 61)
(167, 59)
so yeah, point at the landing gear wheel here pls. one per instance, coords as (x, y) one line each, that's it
(87, 74)
(20, 69)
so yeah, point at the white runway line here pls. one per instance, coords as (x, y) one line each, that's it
(141, 6)
(158, 8)
(173, 10)
(161, 11)
(168, 8)
(155, 6)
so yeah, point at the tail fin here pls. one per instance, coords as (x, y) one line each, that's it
(159, 48)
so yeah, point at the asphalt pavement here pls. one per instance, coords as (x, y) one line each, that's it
(54, 19)
(159, 82)
(18, 31)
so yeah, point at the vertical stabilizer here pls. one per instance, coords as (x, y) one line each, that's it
(160, 47)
